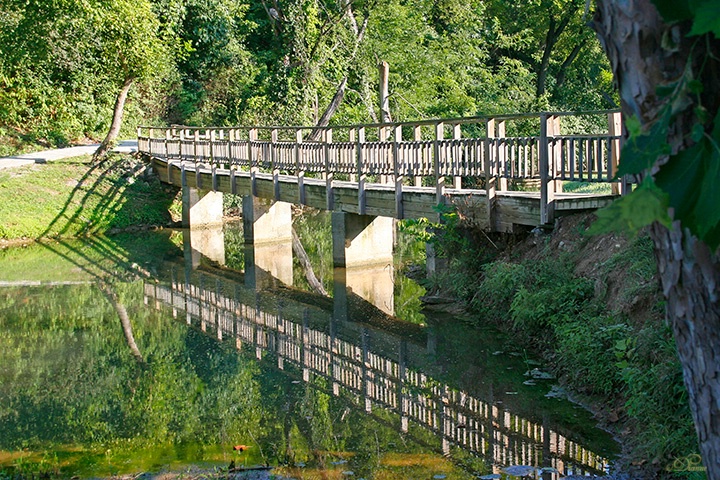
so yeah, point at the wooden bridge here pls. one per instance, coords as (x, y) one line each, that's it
(501, 171)
(370, 367)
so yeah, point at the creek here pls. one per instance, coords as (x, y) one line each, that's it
(133, 353)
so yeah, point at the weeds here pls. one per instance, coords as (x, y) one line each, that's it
(598, 348)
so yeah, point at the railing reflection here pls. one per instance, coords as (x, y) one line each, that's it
(376, 368)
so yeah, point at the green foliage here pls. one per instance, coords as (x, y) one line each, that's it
(599, 351)
(224, 62)
(588, 357)
(689, 167)
(647, 204)
(656, 395)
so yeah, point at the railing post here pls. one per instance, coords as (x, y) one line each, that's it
(273, 163)
(547, 182)
(615, 130)
(361, 174)
(490, 176)
(417, 136)
(556, 151)
(196, 139)
(299, 166)
(352, 177)
(397, 173)
(329, 174)
(213, 164)
(252, 136)
(212, 149)
(439, 179)
(182, 140)
(501, 155)
(457, 156)
(167, 156)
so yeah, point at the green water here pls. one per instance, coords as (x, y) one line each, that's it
(309, 387)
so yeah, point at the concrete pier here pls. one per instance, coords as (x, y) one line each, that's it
(267, 231)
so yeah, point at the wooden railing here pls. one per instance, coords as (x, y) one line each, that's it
(476, 149)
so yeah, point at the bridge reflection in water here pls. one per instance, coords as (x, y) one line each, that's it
(371, 366)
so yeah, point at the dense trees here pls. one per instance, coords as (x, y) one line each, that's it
(66, 65)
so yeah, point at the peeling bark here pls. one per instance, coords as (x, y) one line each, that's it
(634, 35)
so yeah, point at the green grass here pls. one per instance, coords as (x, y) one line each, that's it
(71, 197)
(587, 187)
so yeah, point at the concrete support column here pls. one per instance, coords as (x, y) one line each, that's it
(267, 231)
(361, 240)
(201, 208)
(202, 214)
(362, 256)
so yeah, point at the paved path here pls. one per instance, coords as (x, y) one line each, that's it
(124, 146)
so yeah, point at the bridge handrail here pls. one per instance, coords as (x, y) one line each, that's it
(481, 151)
(406, 123)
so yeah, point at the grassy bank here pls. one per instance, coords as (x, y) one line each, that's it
(72, 197)
(591, 306)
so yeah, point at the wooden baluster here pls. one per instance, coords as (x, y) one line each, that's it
(362, 177)
(329, 171)
(556, 151)
(252, 136)
(417, 155)
(182, 141)
(196, 141)
(457, 157)
(547, 182)
(615, 130)
(383, 135)
(167, 156)
(351, 139)
(501, 156)
(398, 169)
(439, 179)
(300, 166)
(212, 149)
(490, 177)
(141, 142)
(274, 163)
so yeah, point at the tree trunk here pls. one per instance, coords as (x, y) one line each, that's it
(302, 255)
(634, 35)
(112, 134)
(124, 320)
(329, 111)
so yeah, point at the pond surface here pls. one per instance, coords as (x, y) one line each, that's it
(136, 353)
